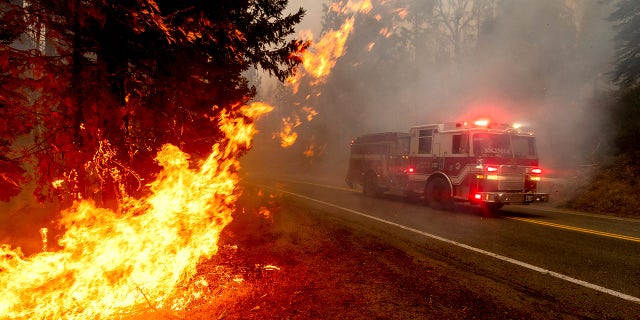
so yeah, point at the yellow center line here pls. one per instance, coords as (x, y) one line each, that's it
(561, 226)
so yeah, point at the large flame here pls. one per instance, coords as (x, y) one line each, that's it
(116, 263)
(321, 57)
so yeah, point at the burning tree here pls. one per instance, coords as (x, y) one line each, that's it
(101, 88)
(104, 85)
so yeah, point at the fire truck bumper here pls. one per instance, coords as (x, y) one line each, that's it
(507, 198)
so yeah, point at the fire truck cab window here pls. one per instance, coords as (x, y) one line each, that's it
(491, 145)
(425, 138)
(523, 147)
(503, 145)
(459, 143)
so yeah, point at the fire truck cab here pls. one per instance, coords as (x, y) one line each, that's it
(480, 162)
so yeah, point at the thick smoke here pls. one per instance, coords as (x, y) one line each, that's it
(541, 63)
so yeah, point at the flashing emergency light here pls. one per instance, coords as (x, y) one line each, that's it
(536, 171)
(482, 122)
(492, 169)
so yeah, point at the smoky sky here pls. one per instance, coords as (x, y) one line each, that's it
(541, 63)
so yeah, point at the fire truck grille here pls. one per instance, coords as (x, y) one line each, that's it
(511, 178)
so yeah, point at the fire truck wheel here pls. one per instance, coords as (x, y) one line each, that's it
(438, 194)
(370, 187)
(491, 207)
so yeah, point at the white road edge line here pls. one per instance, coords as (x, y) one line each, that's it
(481, 251)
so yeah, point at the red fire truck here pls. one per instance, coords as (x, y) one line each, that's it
(481, 162)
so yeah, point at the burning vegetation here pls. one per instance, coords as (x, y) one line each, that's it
(134, 116)
(118, 262)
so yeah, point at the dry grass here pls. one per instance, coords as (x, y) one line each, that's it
(613, 189)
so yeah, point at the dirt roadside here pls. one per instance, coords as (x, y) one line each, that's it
(282, 260)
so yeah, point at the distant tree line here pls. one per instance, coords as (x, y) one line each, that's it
(626, 110)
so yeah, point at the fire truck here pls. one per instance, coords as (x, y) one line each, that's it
(480, 162)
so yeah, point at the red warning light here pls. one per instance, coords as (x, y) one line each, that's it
(482, 122)
(492, 169)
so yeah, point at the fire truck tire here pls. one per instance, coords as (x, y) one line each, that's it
(370, 186)
(491, 207)
(437, 194)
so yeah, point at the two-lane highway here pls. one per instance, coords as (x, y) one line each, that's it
(598, 254)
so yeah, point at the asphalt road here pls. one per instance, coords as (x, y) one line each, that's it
(565, 255)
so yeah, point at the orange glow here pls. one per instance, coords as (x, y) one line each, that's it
(385, 32)
(370, 46)
(264, 212)
(114, 264)
(310, 151)
(402, 12)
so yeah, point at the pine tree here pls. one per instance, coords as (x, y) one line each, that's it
(627, 66)
(117, 80)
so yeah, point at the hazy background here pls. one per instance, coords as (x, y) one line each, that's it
(543, 63)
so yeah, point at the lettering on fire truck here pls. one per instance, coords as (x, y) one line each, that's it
(486, 163)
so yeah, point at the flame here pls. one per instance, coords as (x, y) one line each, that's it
(57, 184)
(112, 264)
(310, 151)
(351, 7)
(327, 52)
(263, 211)
(45, 238)
(385, 32)
(310, 113)
(287, 136)
(402, 12)
(321, 57)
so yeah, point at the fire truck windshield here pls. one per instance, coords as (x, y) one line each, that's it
(503, 145)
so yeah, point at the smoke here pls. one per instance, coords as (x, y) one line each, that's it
(540, 63)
